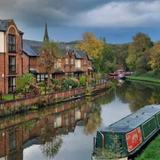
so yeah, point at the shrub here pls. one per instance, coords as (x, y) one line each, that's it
(82, 80)
(23, 82)
(68, 83)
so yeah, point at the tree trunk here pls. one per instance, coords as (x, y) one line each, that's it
(49, 80)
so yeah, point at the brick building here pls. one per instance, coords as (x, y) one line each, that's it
(18, 56)
(70, 63)
(11, 58)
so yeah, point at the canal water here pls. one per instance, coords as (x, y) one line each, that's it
(66, 131)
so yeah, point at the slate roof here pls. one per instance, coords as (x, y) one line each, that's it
(133, 120)
(32, 48)
(4, 24)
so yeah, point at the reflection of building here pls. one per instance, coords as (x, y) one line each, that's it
(31, 129)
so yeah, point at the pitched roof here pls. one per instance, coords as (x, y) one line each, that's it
(4, 24)
(32, 48)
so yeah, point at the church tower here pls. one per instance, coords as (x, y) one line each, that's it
(46, 37)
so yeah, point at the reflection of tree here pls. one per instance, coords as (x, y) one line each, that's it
(51, 148)
(155, 97)
(138, 95)
(93, 120)
(51, 142)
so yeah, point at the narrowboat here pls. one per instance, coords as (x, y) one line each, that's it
(126, 136)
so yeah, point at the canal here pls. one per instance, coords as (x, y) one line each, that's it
(66, 131)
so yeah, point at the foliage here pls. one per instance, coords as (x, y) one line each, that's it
(91, 45)
(82, 80)
(155, 57)
(138, 52)
(56, 84)
(68, 83)
(23, 82)
(48, 57)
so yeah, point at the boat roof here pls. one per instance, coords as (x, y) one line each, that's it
(134, 120)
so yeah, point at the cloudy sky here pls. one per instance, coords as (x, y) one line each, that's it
(117, 20)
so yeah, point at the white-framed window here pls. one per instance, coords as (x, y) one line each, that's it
(78, 63)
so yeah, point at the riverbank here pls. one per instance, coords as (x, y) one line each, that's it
(36, 102)
(152, 152)
(143, 78)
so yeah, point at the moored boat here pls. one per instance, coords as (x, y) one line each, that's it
(128, 135)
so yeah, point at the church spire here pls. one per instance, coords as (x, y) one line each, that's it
(46, 37)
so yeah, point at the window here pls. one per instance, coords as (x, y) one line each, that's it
(78, 64)
(11, 84)
(58, 64)
(12, 65)
(72, 61)
(66, 61)
(41, 77)
(11, 43)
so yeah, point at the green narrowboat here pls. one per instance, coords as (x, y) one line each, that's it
(129, 134)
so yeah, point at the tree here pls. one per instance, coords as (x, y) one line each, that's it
(24, 82)
(48, 57)
(154, 61)
(93, 47)
(138, 52)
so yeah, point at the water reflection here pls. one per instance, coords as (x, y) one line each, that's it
(44, 128)
(66, 131)
(138, 94)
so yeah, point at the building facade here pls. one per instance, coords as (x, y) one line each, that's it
(11, 58)
(18, 56)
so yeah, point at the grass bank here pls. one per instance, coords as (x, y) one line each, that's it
(152, 152)
(153, 77)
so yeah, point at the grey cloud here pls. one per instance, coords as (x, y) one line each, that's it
(35, 12)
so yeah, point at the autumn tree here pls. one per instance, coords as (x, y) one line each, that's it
(93, 47)
(154, 61)
(48, 57)
(138, 52)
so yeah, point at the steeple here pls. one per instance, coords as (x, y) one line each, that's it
(46, 37)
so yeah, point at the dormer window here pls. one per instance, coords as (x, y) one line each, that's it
(11, 43)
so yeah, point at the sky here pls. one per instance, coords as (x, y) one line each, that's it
(116, 20)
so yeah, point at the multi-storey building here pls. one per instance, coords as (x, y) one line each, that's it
(18, 56)
(11, 58)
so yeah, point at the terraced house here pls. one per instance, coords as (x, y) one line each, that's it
(18, 56)
(70, 62)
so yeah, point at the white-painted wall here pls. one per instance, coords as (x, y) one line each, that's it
(2, 49)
